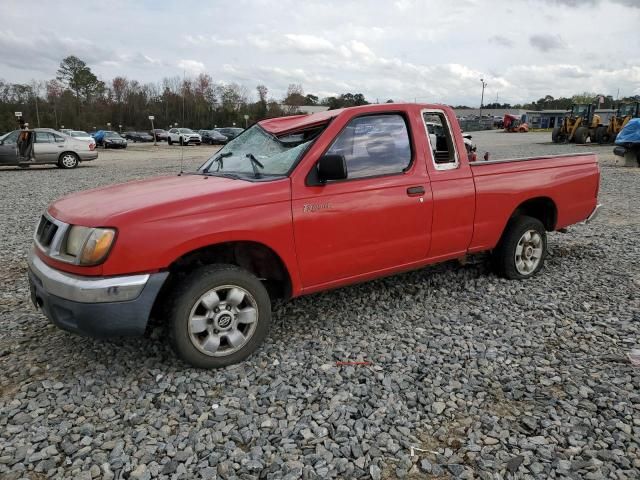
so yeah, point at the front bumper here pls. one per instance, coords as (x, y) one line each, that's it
(94, 306)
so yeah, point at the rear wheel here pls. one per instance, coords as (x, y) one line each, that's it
(169, 141)
(581, 135)
(68, 160)
(220, 315)
(522, 248)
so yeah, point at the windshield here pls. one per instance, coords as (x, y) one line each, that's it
(79, 133)
(580, 110)
(276, 155)
(111, 135)
(627, 109)
(185, 130)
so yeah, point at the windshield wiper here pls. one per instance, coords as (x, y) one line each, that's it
(255, 163)
(218, 160)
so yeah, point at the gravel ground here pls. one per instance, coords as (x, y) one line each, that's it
(470, 375)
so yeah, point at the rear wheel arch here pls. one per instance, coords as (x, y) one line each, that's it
(542, 208)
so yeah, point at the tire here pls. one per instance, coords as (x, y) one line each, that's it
(581, 135)
(602, 135)
(68, 160)
(555, 135)
(193, 306)
(510, 259)
(169, 141)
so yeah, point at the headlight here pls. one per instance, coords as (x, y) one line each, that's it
(90, 246)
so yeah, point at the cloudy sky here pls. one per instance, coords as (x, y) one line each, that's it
(429, 50)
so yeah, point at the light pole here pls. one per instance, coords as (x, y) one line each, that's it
(484, 84)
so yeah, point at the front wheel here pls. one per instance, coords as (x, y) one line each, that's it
(522, 248)
(220, 315)
(581, 135)
(602, 135)
(68, 160)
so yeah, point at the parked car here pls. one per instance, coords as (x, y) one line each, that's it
(138, 137)
(45, 146)
(81, 135)
(296, 206)
(213, 137)
(160, 134)
(230, 132)
(183, 136)
(110, 139)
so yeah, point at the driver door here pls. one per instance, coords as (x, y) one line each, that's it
(9, 149)
(378, 219)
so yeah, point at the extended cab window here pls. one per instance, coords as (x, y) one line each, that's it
(374, 145)
(441, 140)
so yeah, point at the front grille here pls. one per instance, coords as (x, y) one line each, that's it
(46, 231)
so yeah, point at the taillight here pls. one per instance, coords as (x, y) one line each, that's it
(92, 146)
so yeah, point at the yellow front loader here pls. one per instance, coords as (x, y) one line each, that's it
(580, 125)
(624, 113)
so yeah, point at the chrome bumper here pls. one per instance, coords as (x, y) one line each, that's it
(594, 214)
(86, 289)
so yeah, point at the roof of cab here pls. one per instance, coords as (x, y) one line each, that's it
(281, 125)
(296, 122)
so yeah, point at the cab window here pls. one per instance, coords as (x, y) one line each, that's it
(374, 145)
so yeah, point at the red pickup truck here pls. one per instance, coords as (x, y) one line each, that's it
(292, 206)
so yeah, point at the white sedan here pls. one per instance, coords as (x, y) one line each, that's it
(183, 136)
(80, 135)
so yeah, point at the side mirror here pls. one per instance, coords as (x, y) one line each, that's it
(332, 167)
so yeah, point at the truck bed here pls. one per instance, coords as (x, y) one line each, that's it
(569, 181)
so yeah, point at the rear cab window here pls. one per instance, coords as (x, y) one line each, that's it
(443, 147)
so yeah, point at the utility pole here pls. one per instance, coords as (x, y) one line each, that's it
(484, 84)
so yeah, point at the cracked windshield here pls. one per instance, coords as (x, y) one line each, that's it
(272, 156)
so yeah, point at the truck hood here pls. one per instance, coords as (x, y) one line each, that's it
(163, 197)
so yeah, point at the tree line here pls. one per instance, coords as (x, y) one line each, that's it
(76, 98)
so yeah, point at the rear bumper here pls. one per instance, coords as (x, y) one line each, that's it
(98, 307)
(88, 156)
(594, 214)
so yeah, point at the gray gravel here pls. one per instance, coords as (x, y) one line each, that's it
(477, 376)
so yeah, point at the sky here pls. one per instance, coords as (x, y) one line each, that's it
(405, 50)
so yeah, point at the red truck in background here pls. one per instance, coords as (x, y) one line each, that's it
(292, 206)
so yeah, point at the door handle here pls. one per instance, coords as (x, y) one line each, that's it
(415, 191)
